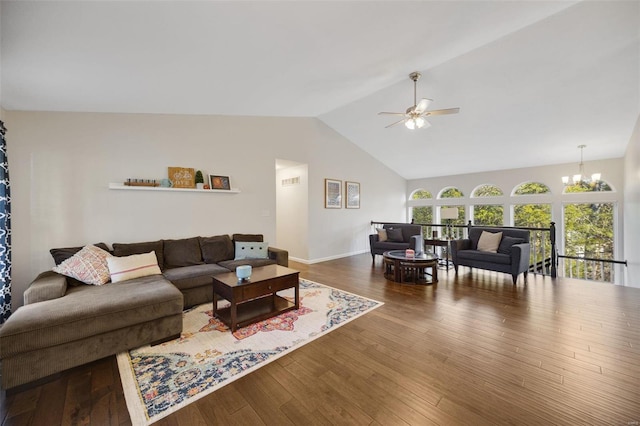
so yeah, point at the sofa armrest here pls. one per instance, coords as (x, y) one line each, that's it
(48, 285)
(373, 238)
(520, 257)
(280, 256)
(456, 246)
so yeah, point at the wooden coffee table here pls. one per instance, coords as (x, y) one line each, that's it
(400, 268)
(256, 299)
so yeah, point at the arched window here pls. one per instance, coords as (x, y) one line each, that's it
(487, 214)
(420, 194)
(422, 214)
(530, 188)
(487, 191)
(597, 186)
(454, 193)
(451, 193)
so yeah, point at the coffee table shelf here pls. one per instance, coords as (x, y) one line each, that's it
(256, 299)
(256, 310)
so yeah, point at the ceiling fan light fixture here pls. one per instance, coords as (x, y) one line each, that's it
(414, 115)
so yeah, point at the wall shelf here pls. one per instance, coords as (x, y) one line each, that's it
(161, 188)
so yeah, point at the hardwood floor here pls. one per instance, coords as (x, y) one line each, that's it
(472, 350)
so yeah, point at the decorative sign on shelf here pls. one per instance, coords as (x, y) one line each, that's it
(182, 177)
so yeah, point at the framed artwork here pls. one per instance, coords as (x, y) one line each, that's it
(332, 194)
(182, 177)
(352, 195)
(219, 182)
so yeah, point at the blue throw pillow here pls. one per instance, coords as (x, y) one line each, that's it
(506, 243)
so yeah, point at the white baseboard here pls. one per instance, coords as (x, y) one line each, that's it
(325, 259)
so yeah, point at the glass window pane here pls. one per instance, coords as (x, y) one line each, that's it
(588, 232)
(487, 191)
(421, 194)
(532, 188)
(488, 215)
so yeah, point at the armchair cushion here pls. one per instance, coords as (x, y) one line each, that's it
(395, 235)
(506, 244)
(489, 241)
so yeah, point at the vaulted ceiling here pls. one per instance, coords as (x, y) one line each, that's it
(533, 79)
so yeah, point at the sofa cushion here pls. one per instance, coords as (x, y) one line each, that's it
(216, 249)
(251, 250)
(134, 266)
(61, 254)
(389, 245)
(382, 235)
(127, 249)
(484, 256)
(258, 238)
(506, 244)
(231, 265)
(86, 311)
(182, 252)
(89, 266)
(394, 235)
(489, 241)
(193, 276)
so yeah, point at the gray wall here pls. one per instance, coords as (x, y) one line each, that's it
(62, 163)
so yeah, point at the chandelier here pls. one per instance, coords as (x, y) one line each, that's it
(581, 177)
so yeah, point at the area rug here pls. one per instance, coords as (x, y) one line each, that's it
(159, 380)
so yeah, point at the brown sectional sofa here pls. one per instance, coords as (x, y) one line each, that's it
(64, 323)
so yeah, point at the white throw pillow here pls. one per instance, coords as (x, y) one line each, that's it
(134, 266)
(251, 250)
(489, 241)
(382, 235)
(88, 266)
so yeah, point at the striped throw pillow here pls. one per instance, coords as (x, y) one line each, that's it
(134, 266)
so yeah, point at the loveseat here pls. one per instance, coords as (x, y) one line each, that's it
(495, 249)
(396, 236)
(64, 323)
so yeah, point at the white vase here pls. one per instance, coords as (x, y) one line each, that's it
(199, 185)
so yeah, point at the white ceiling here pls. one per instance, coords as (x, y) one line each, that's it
(533, 79)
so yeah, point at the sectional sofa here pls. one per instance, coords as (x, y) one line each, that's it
(64, 323)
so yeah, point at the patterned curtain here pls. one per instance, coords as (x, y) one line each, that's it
(5, 230)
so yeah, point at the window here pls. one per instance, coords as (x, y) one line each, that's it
(532, 188)
(487, 214)
(598, 186)
(588, 232)
(422, 214)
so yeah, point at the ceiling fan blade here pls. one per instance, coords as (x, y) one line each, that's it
(422, 105)
(391, 113)
(443, 111)
(393, 124)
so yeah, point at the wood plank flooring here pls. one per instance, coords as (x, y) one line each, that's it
(471, 350)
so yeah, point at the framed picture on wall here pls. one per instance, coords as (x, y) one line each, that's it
(352, 195)
(219, 182)
(332, 194)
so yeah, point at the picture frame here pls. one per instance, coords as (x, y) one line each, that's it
(332, 194)
(352, 195)
(220, 182)
(182, 177)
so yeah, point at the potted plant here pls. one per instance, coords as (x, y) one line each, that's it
(199, 180)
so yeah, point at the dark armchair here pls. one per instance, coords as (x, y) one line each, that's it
(400, 236)
(511, 256)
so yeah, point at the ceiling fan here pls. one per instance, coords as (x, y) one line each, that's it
(413, 118)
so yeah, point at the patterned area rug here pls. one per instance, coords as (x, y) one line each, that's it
(160, 380)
